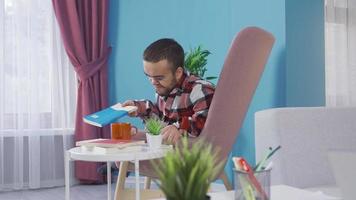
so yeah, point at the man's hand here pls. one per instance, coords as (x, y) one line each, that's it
(130, 103)
(171, 134)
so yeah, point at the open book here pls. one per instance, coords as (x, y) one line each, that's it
(109, 143)
(106, 146)
(108, 115)
(104, 150)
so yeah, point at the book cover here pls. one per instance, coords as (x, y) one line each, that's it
(109, 143)
(108, 115)
(106, 150)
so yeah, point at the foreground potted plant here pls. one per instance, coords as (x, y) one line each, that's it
(153, 135)
(186, 172)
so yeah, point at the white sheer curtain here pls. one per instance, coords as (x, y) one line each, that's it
(340, 52)
(37, 96)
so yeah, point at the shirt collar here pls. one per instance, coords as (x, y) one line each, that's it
(180, 85)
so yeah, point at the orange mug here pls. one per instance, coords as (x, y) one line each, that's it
(122, 131)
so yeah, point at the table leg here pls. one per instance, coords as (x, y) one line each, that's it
(66, 172)
(137, 175)
(108, 170)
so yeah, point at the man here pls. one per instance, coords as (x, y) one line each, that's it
(182, 100)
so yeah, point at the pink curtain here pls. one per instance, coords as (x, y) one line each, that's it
(84, 30)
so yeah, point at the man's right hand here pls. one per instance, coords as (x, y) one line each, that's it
(130, 103)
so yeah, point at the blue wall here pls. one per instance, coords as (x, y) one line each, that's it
(305, 53)
(270, 93)
(134, 24)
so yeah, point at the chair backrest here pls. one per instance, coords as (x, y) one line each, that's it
(238, 80)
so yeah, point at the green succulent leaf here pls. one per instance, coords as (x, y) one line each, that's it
(186, 172)
(154, 126)
(196, 60)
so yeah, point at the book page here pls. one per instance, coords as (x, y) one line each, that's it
(129, 109)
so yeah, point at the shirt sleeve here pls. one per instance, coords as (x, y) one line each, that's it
(200, 97)
(147, 109)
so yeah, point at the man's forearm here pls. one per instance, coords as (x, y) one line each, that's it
(146, 108)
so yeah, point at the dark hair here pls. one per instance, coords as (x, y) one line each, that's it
(165, 49)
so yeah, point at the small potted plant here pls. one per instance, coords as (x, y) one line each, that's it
(186, 172)
(153, 135)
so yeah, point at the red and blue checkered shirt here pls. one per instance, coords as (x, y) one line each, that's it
(186, 106)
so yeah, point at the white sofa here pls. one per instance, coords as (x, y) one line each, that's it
(305, 134)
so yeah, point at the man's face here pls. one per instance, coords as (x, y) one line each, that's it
(161, 76)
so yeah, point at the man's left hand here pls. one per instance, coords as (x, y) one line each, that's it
(171, 134)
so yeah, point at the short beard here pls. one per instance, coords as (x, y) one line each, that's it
(168, 91)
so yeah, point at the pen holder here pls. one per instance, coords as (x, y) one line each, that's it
(249, 188)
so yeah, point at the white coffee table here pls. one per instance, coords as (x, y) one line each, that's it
(135, 156)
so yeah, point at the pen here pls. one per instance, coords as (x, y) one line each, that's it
(274, 151)
(260, 164)
(269, 166)
(268, 155)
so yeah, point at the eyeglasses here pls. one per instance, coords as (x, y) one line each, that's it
(159, 78)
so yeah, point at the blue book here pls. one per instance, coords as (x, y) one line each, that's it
(108, 115)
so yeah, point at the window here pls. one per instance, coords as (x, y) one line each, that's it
(37, 82)
(37, 96)
(340, 48)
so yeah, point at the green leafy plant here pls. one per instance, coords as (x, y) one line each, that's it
(186, 172)
(153, 126)
(195, 62)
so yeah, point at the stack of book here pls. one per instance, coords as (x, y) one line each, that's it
(109, 146)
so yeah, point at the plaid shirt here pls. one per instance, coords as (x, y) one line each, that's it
(186, 106)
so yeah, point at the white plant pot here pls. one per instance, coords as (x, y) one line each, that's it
(154, 141)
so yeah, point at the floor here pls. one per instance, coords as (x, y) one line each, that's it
(78, 192)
